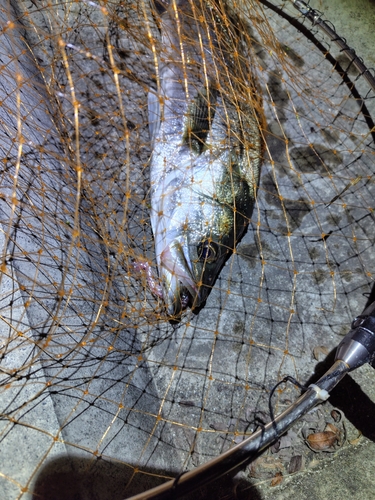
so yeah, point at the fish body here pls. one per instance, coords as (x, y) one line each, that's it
(206, 156)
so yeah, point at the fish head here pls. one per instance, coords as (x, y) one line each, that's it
(176, 276)
(188, 270)
(210, 249)
(192, 258)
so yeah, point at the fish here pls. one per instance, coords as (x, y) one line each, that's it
(205, 129)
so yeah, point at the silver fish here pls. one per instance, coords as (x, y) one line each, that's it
(207, 150)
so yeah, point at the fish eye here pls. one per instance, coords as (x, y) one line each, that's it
(208, 251)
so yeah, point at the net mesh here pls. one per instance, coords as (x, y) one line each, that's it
(96, 384)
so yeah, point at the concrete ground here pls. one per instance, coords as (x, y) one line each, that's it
(101, 396)
(351, 472)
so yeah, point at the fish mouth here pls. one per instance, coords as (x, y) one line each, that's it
(178, 298)
(181, 297)
(180, 288)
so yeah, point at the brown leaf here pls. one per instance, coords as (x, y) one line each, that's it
(320, 441)
(332, 428)
(295, 464)
(266, 467)
(357, 439)
(320, 352)
(271, 463)
(277, 479)
(336, 415)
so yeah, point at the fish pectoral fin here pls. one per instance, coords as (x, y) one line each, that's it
(249, 153)
(200, 115)
(153, 114)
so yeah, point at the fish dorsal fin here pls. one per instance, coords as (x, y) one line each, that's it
(200, 114)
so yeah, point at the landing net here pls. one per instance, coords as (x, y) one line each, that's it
(100, 393)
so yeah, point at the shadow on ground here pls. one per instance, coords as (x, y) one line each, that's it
(87, 479)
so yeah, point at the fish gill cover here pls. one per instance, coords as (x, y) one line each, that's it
(101, 394)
